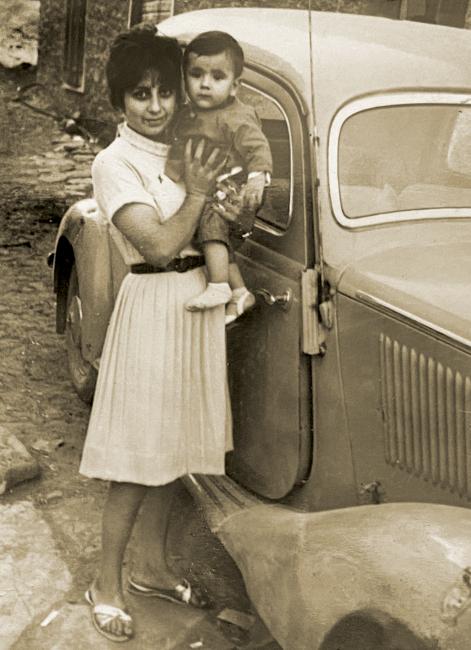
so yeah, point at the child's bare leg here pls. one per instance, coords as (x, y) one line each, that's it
(218, 291)
(236, 281)
(242, 299)
(216, 255)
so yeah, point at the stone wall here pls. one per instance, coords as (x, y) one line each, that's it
(102, 25)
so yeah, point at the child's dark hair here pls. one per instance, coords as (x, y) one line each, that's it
(209, 43)
(135, 52)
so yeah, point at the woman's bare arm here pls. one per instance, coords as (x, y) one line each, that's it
(159, 242)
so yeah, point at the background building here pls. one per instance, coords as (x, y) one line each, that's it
(74, 36)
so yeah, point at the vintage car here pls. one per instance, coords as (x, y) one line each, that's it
(345, 504)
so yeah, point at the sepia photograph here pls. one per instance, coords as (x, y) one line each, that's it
(235, 324)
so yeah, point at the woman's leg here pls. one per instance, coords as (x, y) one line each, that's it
(150, 568)
(119, 515)
(149, 558)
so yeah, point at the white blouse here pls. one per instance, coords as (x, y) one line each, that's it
(131, 170)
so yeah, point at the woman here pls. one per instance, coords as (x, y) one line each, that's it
(161, 405)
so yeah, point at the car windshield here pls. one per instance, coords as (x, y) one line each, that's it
(401, 158)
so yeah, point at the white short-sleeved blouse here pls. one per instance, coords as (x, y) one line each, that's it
(131, 170)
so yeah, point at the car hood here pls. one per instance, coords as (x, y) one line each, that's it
(428, 284)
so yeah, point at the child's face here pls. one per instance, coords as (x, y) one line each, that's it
(210, 79)
(149, 107)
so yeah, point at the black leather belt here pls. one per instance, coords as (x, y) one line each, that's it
(179, 264)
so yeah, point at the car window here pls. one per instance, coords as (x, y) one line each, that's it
(400, 158)
(276, 210)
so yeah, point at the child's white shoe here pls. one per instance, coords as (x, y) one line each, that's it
(241, 301)
(215, 294)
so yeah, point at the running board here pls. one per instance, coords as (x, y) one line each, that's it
(220, 497)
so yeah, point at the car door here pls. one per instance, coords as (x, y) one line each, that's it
(270, 380)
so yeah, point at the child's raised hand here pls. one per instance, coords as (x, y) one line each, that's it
(253, 195)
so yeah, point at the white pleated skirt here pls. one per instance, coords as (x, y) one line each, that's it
(161, 408)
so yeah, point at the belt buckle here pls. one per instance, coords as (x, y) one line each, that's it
(181, 264)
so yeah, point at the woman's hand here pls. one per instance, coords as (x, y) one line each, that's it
(201, 178)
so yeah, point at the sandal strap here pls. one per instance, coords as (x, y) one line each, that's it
(140, 588)
(107, 613)
(184, 591)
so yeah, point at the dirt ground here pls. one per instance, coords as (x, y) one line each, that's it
(37, 401)
(36, 398)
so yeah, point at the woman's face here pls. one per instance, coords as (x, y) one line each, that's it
(149, 107)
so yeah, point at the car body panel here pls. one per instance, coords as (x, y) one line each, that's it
(92, 248)
(332, 480)
(427, 284)
(271, 394)
(359, 43)
(407, 408)
(393, 571)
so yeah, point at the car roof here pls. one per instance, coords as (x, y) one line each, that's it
(353, 54)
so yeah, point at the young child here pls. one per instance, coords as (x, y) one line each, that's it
(213, 63)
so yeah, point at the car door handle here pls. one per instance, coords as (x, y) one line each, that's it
(283, 300)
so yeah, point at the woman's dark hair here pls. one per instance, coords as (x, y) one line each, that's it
(135, 52)
(209, 43)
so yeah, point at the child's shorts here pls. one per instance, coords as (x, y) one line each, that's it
(213, 227)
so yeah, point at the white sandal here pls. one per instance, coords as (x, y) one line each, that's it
(104, 614)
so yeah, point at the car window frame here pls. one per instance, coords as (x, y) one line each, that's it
(260, 223)
(378, 101)
(274, 88)
(296, 241)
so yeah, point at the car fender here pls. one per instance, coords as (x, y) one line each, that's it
(83, 239)
(400, 567)
(400, 570)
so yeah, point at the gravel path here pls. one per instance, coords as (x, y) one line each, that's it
(37, 401)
